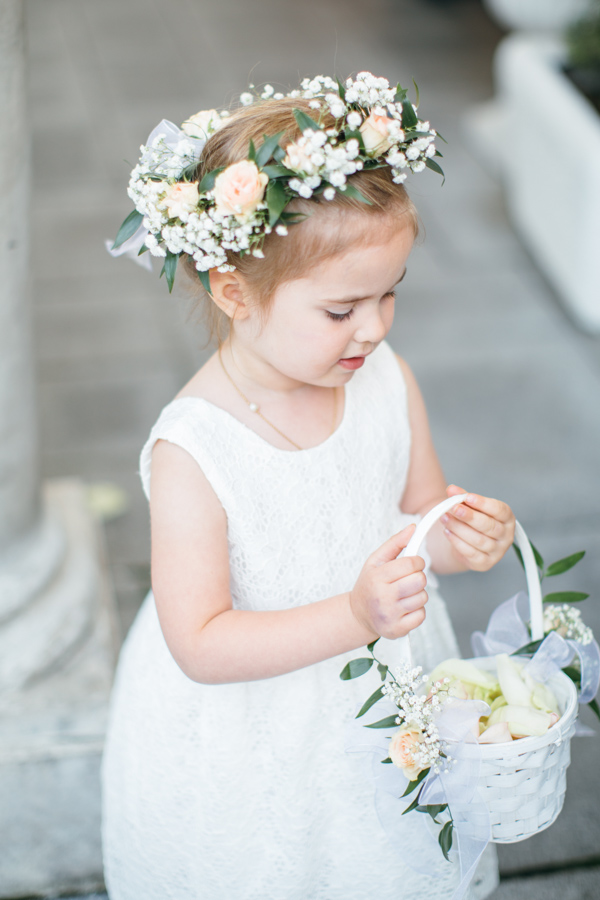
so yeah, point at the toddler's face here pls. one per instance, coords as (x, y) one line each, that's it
(321, 327)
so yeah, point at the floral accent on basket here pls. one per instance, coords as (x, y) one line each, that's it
(484, 708)
(510, 631)
(236, 208)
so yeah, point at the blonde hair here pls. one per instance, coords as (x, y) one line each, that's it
(324, 233)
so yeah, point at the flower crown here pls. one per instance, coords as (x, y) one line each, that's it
(234, 208)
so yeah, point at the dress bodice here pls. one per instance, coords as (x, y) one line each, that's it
(302, 523)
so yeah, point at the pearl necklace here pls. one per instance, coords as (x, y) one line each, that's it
(254, 407)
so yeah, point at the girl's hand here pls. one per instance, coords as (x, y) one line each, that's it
(389, 596)
(480, 530)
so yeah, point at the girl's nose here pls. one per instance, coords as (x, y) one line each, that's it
(372, 327)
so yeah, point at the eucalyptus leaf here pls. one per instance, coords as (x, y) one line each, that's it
(277, 200)
(563, 565)
(205, 279)
(189, 173)
(593, 704)
(400, 95)
(416, 782)
(519, 555)
(169, 268)
(341, 89)
(355, 668)
(251, 151)
(305, 121)
(574, 674)
(409, 117)
(266, 149)
(375, 696)
(383, 670)
(351, 191)
(276, 171)
(431, 164)
(371, 646)
(208, 182)
(416, 92)
(388, 722)
(434, 809)
(411, 806)
(566, 597)
(278, 154)
(386, 760)
(445, 839)
(527, 648)
(128, 228)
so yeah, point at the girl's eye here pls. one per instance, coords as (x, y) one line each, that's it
(339, 317)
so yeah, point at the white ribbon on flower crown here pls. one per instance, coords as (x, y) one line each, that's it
(172, 137)
(456, 724)
(506, 632)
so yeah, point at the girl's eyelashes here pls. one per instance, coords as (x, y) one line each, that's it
(339, 317)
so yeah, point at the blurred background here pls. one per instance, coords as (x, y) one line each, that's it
(499, 317)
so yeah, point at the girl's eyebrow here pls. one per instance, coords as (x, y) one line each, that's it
(356, 299)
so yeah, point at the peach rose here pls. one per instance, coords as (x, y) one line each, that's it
(402, 747)
(181, 199)
(239, 189)
(203, 124)
(375, 134)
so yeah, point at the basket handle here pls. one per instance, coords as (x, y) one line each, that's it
(532, 577)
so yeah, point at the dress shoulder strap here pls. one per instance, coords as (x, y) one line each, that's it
(188, 422)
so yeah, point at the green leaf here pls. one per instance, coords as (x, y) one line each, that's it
(278, 154)
(355, 668)
(563, 565)
(574, 674)
(276, 172)
(388, 722)
(433, 810)
(375, 696)
(416, 92)
(265, 151)
(205, 279)
(400, 95)
(251, 151)
(409, 117)
(341, 89)
(189, 173)
(519, 555)
(411, 806)
(383, 670)
(417, 781)
(593, 704)
(143, 249)
(304, 121)
(445, 839)
(386, 760)
(565, 597)
(431, 164)
(527, 649)
(169, 268)
(208, 182)
(277, 200)
(128, 228)
(371, 646)
(351, 191)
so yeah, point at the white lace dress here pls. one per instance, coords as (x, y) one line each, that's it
(244, 791)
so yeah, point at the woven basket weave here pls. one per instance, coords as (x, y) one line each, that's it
(522, 782)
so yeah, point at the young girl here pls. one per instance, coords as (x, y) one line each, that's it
(284, 480)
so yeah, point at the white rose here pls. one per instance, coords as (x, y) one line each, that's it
(203, 124)
(375, 134)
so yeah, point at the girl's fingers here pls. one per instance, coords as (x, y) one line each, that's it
(496, 509)
(476, 539)
(490, 529)
(393, 547)
(474, 558)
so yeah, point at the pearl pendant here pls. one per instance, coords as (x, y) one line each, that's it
(253, 407)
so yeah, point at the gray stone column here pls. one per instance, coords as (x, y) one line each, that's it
(35, 628)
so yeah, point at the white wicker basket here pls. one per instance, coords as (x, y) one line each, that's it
(523, 782)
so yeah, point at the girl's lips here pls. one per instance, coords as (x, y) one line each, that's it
(353, 362)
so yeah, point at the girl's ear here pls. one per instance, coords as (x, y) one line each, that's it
(228, 292)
